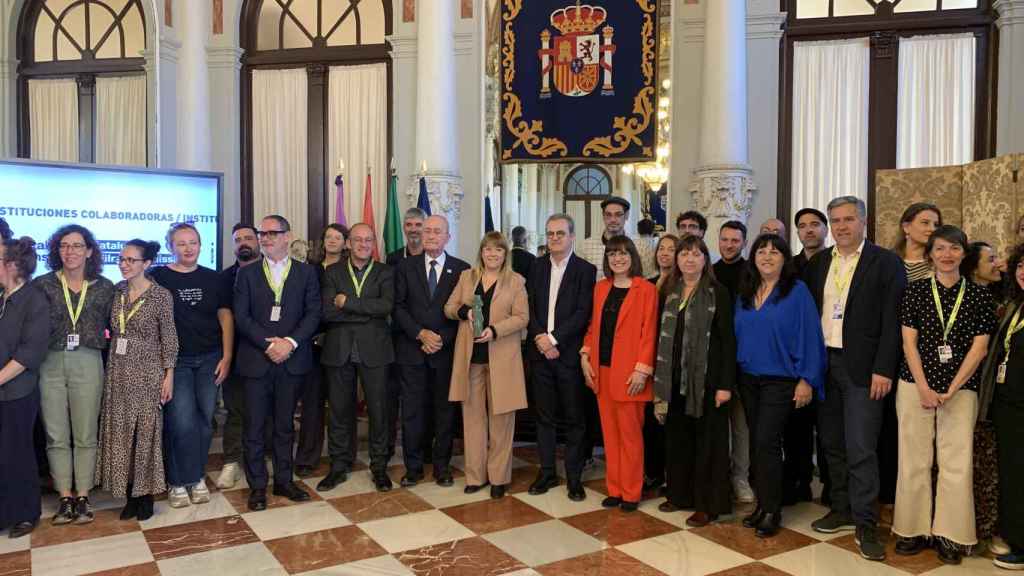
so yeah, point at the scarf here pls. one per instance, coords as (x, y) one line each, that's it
(693, 359)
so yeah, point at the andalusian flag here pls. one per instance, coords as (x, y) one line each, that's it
(393, 239)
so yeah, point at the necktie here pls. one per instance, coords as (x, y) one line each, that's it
(432, 278)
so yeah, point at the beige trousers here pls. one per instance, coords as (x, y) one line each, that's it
(947, 431)
(487, 437)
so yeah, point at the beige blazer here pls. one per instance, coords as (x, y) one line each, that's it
(509, 317)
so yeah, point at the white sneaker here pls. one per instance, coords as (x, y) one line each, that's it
(997, 546)
(199, 492)
(178, 497)
(744, 493)
(229, 475)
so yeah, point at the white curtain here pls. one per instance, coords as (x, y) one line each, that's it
(121, 120)
(935, 122)
(830, 122)
(357, 111)
(279, 113)
(53, 119)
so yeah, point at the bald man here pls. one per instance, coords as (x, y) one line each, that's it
(774, 226)
(424, 350)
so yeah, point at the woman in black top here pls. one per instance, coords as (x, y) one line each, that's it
(24, 329)
(654, 433)
(946, 325)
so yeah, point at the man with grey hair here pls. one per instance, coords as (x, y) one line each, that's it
(561, 292)
(857, 286)
(412, 227)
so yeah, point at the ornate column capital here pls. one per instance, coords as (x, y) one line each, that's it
(723, 191)
(1011, 12)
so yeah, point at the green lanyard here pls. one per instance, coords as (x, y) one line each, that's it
(357, 283)
(120, 313)
(1012, 329)
(684, 302)
(278, 289)
(947, 327)
(74, 312)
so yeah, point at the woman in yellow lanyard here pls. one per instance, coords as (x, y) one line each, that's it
(140, 377)
(1002, 401)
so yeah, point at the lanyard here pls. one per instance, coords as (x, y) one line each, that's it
(839, 279)
(357, 283)
(684, 302)
(278, 289)
(74, 313)
(947, 327)
(120, 313)
(1012, 329)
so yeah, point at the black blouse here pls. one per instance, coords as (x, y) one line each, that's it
(609, 318)
(24, 331)
(480, 354)
(93, 323)
(976, 317)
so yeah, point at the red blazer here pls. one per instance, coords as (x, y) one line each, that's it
(636, 339)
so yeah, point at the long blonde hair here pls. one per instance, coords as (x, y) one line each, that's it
(493, 238)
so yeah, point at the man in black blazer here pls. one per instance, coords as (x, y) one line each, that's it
(358, 295)
(424, 350)
(522, 260)
(561, 291)
(277, 312)
(857, 286)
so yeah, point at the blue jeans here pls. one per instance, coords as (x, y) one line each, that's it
(188, 418)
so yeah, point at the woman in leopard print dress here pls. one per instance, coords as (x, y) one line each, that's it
(139, 381)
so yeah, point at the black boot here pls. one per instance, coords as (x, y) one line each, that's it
(754, 518)
(131, 507)
(145, 507)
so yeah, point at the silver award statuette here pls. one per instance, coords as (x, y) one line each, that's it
(478, 316)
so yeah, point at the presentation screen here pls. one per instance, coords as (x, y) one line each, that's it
(115, 203)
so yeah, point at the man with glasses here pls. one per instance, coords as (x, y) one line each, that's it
(277, 311)
(561, 291)
(615, 211)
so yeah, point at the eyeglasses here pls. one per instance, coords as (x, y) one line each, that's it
(272, 234)
(75, 247)
(557, 234)
(361, 240)
(129, 260)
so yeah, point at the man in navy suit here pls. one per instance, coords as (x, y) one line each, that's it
(561, 290)
(277, 312)
(424, 350)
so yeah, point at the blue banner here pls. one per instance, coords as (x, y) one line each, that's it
(579, 80)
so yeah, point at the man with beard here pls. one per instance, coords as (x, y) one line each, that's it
(812, 228)
(615, 211)
(246, 252)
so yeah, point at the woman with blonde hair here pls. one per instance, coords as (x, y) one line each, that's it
(487, 373)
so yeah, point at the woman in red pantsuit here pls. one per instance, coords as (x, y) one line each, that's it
(618, 361)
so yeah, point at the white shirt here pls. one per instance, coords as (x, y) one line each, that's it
(440, 265)
(557, 273)
(276, 272)
(841, 267)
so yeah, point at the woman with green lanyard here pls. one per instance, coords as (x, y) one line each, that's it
(71, 377)
(1001, 399)
(946, 322)
(140, 381)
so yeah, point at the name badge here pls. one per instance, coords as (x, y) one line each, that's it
(1001, 374)
(837, 311)
(72, 343)
(945, 353)
(275, 314)
(121, 348)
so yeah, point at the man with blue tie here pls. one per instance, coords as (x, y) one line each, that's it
(424, 350)
(277, 312)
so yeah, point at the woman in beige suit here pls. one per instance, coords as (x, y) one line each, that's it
(487, 374)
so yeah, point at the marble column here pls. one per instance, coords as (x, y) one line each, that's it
(722, 185)
(436, 122)
(509, 198)
(531, 198)
(1010, 115)
(162, 92)
(193, 86)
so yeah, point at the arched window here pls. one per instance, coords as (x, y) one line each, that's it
(81, 65)
(335, 48)
(585, 187)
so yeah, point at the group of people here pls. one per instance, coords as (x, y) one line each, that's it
(721, 381)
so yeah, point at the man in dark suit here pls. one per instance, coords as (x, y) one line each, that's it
(522, 260)
(857, 286)
(358, 295)
(424, 350)
(561, 291)
(277, 312)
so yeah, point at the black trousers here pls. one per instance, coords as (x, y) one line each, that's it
(557, 389)
(888, 450)
(311, 418)
(849, 422)
(425, 401)
(233, 390)
(697, 457)
(654, 446)
(275, 395)
(592, 435)
(1008, 417)
(798, 451)
(341, 391)
(20, 500)
(767, 404)
(394, 394)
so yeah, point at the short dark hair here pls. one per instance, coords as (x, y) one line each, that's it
(734, 225)
(5, 230)
(972, 258)
(645, 227)
(281, 221)
(519, 236)
(21, 252)
(242, 226)
(750, 280)
(688, 242)
(93, 265)
(150, 250)
(636, 267)
(812, 211)
(702, 222)
(1014, 292)
(950, 234)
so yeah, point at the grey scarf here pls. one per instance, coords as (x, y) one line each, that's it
(693, 361)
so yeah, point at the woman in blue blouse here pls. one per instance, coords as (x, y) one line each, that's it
(781, 353)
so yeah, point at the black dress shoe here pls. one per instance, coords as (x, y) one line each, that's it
(947, 554)
(22, 529)
(331, 481)
(444, 478)
(769, 525)
(382, 481)
(131, 509)
(543, 483)
(411, 479)
(292, 492)
(911, 546)
(258, 499)
(667, 506)
(303, 471)
(474, 488)
(754, 518)
(576, 492)
(611, 502)
(627, 506)
(145, 507)
(497, 491)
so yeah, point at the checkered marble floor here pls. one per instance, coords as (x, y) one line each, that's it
(429, 530)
